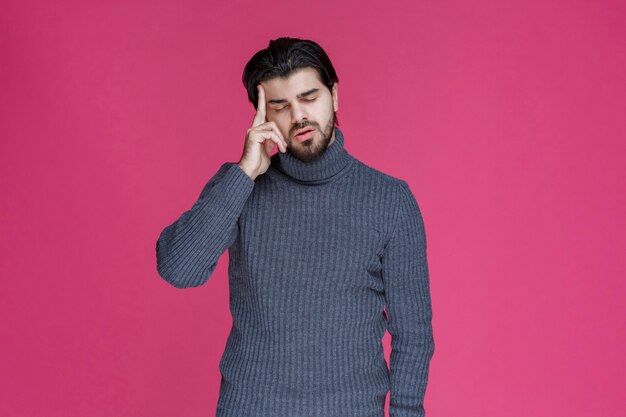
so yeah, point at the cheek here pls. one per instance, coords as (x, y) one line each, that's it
(323, 111)
(277, 118)
(283, 124)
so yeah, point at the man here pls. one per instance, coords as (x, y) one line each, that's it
(319, 245)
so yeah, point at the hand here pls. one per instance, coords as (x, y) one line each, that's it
(260, 140)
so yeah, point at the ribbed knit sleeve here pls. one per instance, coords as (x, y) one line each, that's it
(188, 250)
(408, 306)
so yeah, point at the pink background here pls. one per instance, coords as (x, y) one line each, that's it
(506, 118)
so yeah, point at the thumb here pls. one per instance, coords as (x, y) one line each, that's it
(268, 145)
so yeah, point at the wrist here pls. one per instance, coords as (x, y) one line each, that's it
(246, 170)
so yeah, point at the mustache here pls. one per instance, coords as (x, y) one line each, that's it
(302, 126)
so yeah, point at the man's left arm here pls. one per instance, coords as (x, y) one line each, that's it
(408, 306)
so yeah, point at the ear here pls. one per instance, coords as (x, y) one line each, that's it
(335, 95)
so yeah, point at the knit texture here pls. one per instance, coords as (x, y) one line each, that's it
(317, 252)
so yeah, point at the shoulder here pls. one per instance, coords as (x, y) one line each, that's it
(393, 185)
(395, 192)
(377, 175)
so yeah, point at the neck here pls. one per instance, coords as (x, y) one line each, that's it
(334, 161)
(332, 137)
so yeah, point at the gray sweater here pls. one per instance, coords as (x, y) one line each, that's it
(323, 258)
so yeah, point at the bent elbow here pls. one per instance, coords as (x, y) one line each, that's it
(179, 273)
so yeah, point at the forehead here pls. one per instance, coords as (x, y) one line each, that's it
(298, 82)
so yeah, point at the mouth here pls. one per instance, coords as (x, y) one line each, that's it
(304, 134)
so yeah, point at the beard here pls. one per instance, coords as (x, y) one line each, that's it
(311, 149)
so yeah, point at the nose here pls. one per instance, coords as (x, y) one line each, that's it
(298, 115)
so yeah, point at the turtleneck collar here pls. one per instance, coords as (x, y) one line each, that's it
(334, 161)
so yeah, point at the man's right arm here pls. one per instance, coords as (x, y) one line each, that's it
(188, 250)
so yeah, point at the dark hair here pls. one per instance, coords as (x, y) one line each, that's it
(281, 58)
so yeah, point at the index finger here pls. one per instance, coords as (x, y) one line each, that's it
(259, 118)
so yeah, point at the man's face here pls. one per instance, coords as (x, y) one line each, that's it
(298, 102)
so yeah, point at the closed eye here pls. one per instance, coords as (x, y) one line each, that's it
(309, 100)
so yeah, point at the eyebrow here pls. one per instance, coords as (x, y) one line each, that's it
(306, 93)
